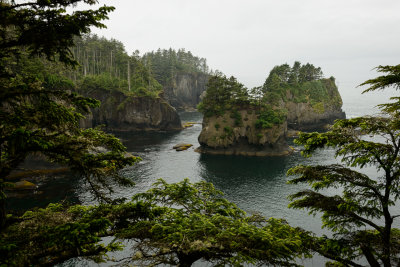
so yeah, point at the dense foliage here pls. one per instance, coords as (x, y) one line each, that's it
(228, 95)
(175, 224)
(297, 74)
(223, 94)
(39, 112)
(105, 65)
(301, 84)
(54, 234)
(361, 214)
(190, 222)
(165, 64)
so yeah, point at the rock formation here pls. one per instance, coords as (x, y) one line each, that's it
(120, 112)
(185, 89)
(255, 123)
(313, 114)
(225, 135)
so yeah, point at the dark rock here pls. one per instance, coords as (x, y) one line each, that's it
(185, 90)
(119, 112)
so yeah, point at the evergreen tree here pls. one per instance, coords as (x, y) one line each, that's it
(361, 215)
(181, 223)
(39, 112)
(167, 63)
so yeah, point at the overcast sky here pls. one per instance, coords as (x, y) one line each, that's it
(246, 39)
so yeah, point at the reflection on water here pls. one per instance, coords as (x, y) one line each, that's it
(255, 184)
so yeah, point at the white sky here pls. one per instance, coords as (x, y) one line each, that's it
(246, 39)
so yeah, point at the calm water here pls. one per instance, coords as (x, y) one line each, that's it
(254, 184)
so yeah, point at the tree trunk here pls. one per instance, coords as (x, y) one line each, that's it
(370, 257)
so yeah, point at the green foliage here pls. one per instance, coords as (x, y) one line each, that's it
(165, 64)
(302, 84)
(391, 79)
(269, 117)
(361, 215)
(228, 131)
(227, 95)
(44, 28)
(298, 74)
(319, 107)
(185, 222)
(217, 126)
(52, 235)
(237, 117)
(176, 224)
(105, 65)
(223, 94)
(39, 110)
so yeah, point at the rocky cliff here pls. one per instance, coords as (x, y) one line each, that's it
(305, 117)
(120, 112)
(314, 107)
(243, 122)
(184, 90)
(236, 133)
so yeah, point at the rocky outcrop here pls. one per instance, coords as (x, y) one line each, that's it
(225, 135)
(305, 117)
(317, 112)
(185, 89)
(120, 112)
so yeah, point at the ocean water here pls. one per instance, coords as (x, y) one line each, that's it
(255, 184)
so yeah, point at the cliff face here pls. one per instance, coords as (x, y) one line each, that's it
(319, 105)
(119, 112)
(303, 116)
(185, 89)
(229, 136)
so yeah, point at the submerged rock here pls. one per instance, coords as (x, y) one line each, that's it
(188, 124)
(182, 147)
(24, 185)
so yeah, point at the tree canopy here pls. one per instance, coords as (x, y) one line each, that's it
(301, 84)
(361, 215)
(39, 111)
(166, 63)
(176, 224)
(105, 64)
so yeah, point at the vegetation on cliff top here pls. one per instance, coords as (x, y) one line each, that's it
(228, 95)
(165, 64)
(301, 84)
(285, 84)
(104, 64)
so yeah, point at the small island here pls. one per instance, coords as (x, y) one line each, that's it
(255, 122)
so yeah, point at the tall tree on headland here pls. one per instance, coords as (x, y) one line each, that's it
(361, 215)
(40, 113)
